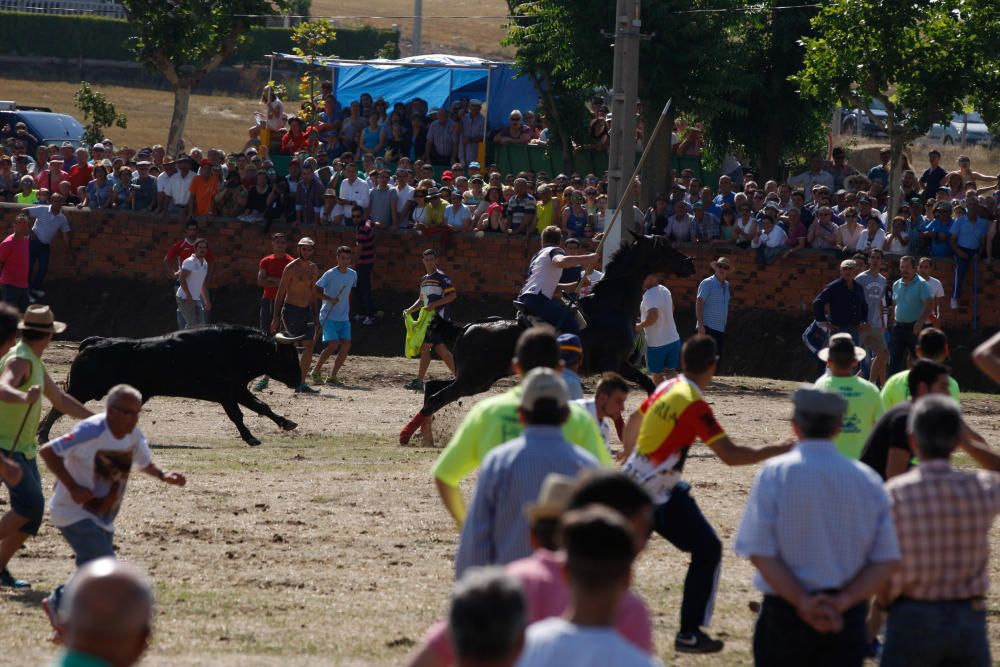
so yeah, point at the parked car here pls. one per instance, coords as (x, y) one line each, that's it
(46, 126)
(858, 120)
(976, 132)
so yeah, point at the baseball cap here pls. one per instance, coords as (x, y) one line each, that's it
(544, 384)
(810, 400)
(447, 174)
(474, 165)
(475, 103)
(570, 347)
(698, 204)
(848, 264)
(305, 240)
(97, 147)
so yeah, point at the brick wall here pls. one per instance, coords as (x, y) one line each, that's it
(121, 246)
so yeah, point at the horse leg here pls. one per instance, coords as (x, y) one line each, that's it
(630, 372)
(434, 402)
(251, 402)
(232, 408)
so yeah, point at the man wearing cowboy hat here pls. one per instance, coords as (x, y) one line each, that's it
(23, 376)
(864, 403)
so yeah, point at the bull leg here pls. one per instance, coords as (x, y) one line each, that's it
(433, 402)
(251, 402)
(232, 409)
(630, 372)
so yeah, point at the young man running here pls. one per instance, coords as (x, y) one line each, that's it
(295, 305)
(334, 288)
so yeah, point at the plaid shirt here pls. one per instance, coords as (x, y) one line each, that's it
(943, 518)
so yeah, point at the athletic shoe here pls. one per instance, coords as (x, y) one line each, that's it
(32, 299)
(7, 580)
(414, 384)
(954, 304)
(317, 376)
(696, 642)
(334, 382)
(368, 321)
(261, 384)
(305, 389)
(38, 293)
(359, 317)
(874, 649)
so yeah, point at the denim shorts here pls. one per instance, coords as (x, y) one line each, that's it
(88, 540)
(336, 330)
(663, 357)
(26, 498)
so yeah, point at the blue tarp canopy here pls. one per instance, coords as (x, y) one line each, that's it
(439, 79)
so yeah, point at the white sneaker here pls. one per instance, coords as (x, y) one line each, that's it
(954, 304)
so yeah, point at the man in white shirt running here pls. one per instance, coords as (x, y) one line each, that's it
(600, 550)
(663, 343)
(537, 295)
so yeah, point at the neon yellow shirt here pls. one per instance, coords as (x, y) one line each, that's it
(897, 389)
(543, 215)
(13, 414)
(864, 407)
(494, 421)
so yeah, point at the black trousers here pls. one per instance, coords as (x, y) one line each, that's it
(902, 341)
(720, 339)
(782, 639)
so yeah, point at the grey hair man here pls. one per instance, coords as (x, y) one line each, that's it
(487, 620)
(107, 615)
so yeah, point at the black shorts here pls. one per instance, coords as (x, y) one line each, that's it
(299, 321)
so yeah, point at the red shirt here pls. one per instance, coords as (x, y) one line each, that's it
(14, 255)
(45, 181)
(80, 175)
(184, 249)
(274, 266)
(292, 144)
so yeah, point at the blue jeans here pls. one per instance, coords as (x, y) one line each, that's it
(550, 310)
(38, 252)
(920, 634)
(26, 498)
(781, 638)
(962, 268)
(190, 315)
(680, 522)
(88, 540)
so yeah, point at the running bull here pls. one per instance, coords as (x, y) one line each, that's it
(214, 363)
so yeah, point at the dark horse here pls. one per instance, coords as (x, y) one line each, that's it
(483, 350)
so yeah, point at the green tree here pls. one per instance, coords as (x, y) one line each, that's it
(186, 39)
(97, 109)
(309, 39)
(921, 60)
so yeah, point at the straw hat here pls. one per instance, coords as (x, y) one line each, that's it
(40, 318)
(553, 498)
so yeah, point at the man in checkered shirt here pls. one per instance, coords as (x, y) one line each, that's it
(943, 516)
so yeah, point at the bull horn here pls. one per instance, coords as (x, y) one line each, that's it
(287, 340)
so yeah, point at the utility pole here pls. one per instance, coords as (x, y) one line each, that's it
(625, 83)
(418, 20)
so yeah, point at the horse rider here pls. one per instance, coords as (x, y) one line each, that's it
(537, 297)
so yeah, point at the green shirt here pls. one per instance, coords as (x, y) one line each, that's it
(71, 658)
(494, 421)
(12, 414)
(897, 389)
(864, 407)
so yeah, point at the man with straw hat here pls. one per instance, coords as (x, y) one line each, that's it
(864, 402)
(22, 378)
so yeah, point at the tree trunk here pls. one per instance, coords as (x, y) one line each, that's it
(896, 144)
(770, 157)
(182, 96)
(656, 171)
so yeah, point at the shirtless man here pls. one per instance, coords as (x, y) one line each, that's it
(295, 305)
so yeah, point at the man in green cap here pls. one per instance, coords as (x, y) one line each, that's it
(22, 379)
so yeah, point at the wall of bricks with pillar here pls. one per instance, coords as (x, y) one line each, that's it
(131, 247)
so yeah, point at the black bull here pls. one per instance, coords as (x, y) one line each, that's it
(213, 363)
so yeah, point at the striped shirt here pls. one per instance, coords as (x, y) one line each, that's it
(716, 298)
(496, 531)
(365, 239)
(943, 519)
(824, 515)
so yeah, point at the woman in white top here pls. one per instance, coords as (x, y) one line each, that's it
(457, 216)
(746, 227)
(274, 119)
(873, 236)
(897, 242)
(849, 232)
(419, 204)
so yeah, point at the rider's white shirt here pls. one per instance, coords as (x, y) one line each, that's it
(543, 276)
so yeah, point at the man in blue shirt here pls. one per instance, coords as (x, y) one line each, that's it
(334, 289)
(846, 302)
(967, 236)
(726, 195)
(880, 172)
(938, 232)
(913, 305)
(819, 556)
(712, 305)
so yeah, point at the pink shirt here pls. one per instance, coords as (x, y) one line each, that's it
(14, 255)
(540, 575)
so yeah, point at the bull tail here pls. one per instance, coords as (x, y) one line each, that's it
(87, 342)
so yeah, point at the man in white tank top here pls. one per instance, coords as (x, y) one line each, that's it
(543, 279)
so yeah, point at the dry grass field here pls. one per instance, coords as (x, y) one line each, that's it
(475, 37)
(328, 545)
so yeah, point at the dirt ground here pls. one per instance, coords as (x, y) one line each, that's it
(329, 546)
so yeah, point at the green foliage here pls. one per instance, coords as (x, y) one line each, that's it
(97, 109)
(19, 37)
(309, 39)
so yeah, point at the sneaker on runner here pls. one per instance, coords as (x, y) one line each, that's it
(261, 384)
(414, 384)
(334, 382)
(305, 389)
(317, 376)
(696, 642)
(8, 580)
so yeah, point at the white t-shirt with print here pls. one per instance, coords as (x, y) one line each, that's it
(664, 330)
(98, 461)
(555, 642)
